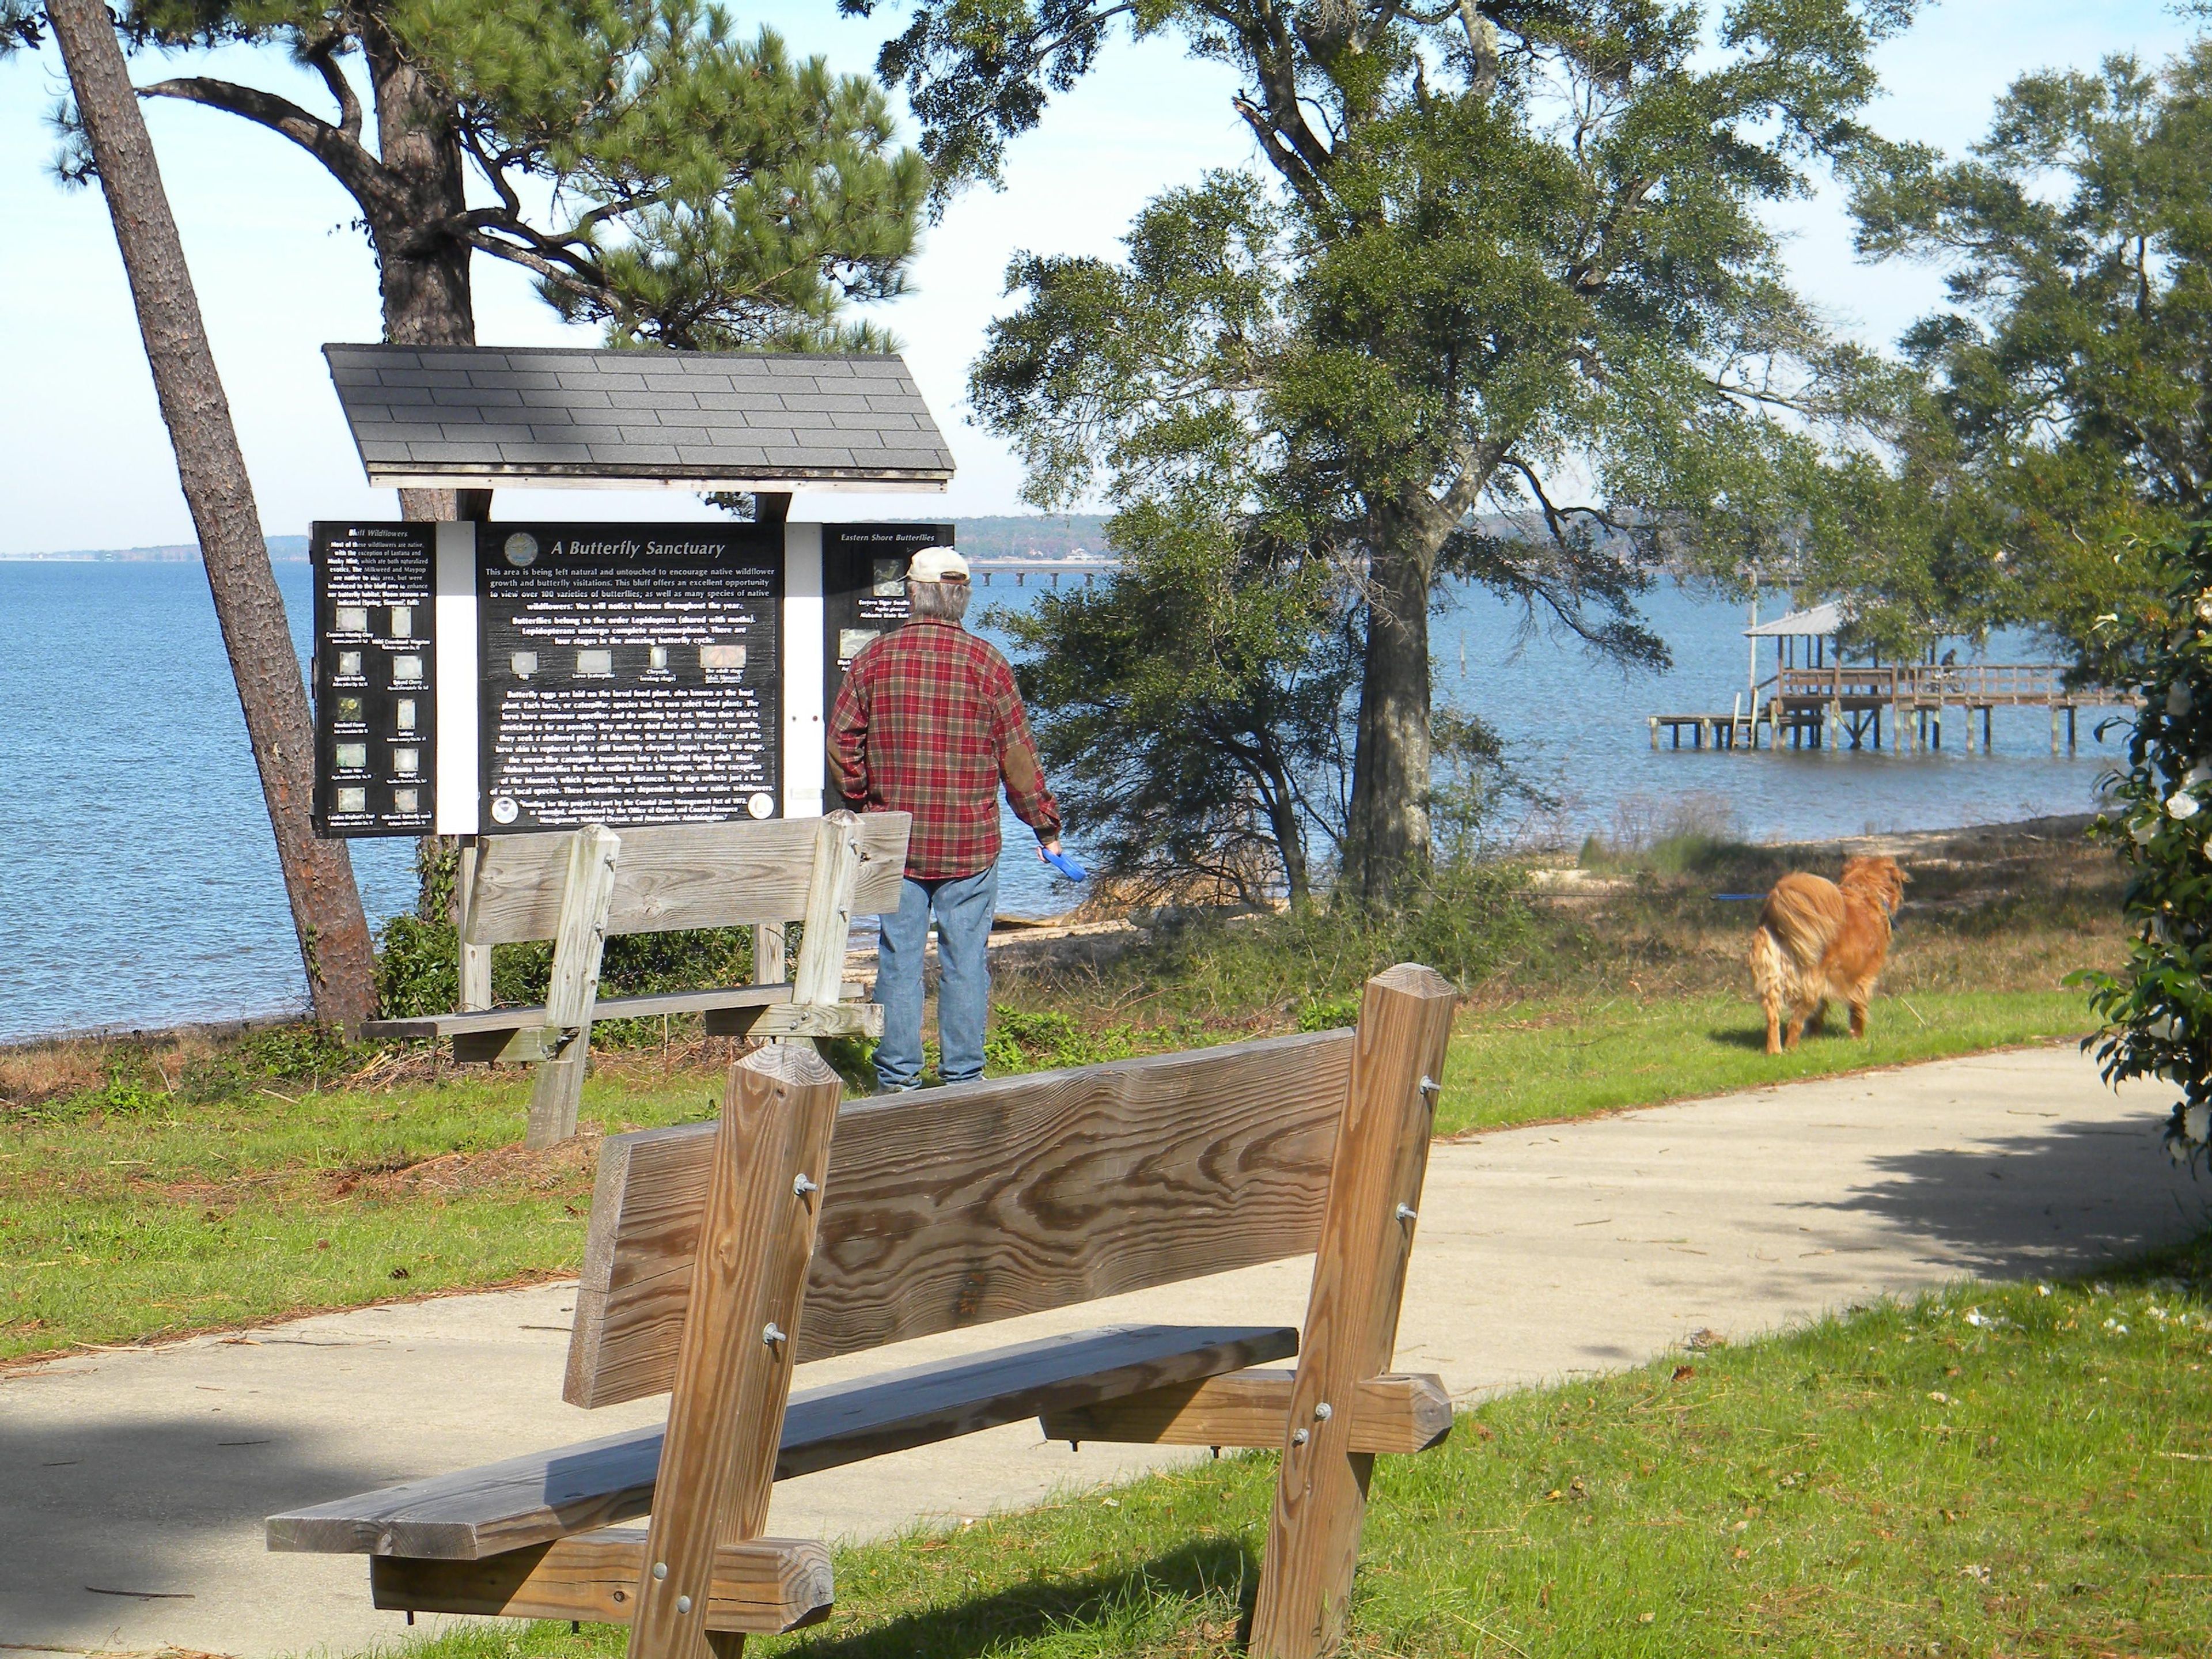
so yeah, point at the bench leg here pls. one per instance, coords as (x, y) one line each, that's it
(1352, 1315)
(818, 978)
(740, 1332)
(578, 938)
(476, 959)
(555, 1093)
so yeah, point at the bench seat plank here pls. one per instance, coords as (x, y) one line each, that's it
(606, 1008)
(1396, 1411)
(534, 1500)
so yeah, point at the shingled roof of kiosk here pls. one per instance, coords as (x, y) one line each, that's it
(481, 416)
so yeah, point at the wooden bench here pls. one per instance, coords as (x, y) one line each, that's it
(718, 1256)
(577, 889)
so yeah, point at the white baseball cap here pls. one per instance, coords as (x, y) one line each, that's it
(937, 564)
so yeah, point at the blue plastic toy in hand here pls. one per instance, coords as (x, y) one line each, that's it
(1066, 866)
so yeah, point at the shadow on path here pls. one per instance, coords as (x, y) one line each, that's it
(104, 1524)
(2066, 1198)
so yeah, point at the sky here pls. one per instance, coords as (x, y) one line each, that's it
(87, 463)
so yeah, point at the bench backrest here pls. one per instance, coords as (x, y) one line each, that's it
(960, 1206)
(670, 877)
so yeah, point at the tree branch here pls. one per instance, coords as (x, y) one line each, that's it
(349, 162)
(324, 57)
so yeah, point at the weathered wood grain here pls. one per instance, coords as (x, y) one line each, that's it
(527, 1501)
(1351, 1312)
(762, 1584)
(965, 1205)
(694, 875)
(768, 967)
(733, 1366)
(1396, 1411)
(474, 959)
(838, 860)
(794, 1186)
(565, 1039)
(798, 1019)
(497, 1023)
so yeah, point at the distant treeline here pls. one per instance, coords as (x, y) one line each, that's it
(1010, 537)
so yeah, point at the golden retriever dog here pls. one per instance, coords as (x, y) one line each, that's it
(1819, 939)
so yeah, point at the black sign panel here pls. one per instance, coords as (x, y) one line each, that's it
(374, 666)
(631, 673)
(864, 588)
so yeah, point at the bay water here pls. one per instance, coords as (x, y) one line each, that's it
(139, 886)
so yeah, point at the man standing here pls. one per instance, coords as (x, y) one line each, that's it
(928, 722)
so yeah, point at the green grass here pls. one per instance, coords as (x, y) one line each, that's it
(131, 1212)
(1562, 1058)
(1997, 1471)
(178, 1214)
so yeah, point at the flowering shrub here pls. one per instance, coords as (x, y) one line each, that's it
(2157, 1009)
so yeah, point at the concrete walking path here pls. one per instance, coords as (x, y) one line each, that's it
(133, 1483)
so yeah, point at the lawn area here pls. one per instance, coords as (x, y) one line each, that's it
(2010, 1471)
(170, 1214)
(137, 1211)
(146, 1190)
(1560, 1060)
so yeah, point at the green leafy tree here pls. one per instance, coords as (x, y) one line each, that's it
(2065, 427)
(1494, 245)
(2157, 1007)
(1190, 709)
(658, 174)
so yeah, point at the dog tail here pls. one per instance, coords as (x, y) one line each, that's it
(1796, 927)
(1771, 976)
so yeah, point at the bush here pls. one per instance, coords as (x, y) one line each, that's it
(2157, 1008)
(418, 971)
(1467, 920)
(1020, 1041)
(1688, 834)
(124, 1093)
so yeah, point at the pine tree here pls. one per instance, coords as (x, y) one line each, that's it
(334, 942)
(657, 174)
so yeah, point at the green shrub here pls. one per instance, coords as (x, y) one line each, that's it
(1021, 1041)
(2157, 1008)
(1468, 921)
(124, 1094)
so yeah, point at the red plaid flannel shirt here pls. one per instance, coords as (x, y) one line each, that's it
(928, 722)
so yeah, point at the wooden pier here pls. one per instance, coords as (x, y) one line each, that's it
(1840, 705)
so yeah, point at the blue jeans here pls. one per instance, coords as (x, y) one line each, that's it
(964, 906)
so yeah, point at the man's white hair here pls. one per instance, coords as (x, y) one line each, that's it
(939, 601)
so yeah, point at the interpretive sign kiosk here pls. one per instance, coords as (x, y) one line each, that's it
(607, 714)
(483, 678)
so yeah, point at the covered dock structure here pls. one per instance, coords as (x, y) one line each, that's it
(1815, 699)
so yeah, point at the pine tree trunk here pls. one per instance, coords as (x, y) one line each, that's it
(1388, 842)
(424, 275)
(334, 942)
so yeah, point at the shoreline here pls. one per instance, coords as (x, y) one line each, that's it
(1035, 932)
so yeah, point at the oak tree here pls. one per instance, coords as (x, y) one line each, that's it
(1501, 254)
(2062, 433)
